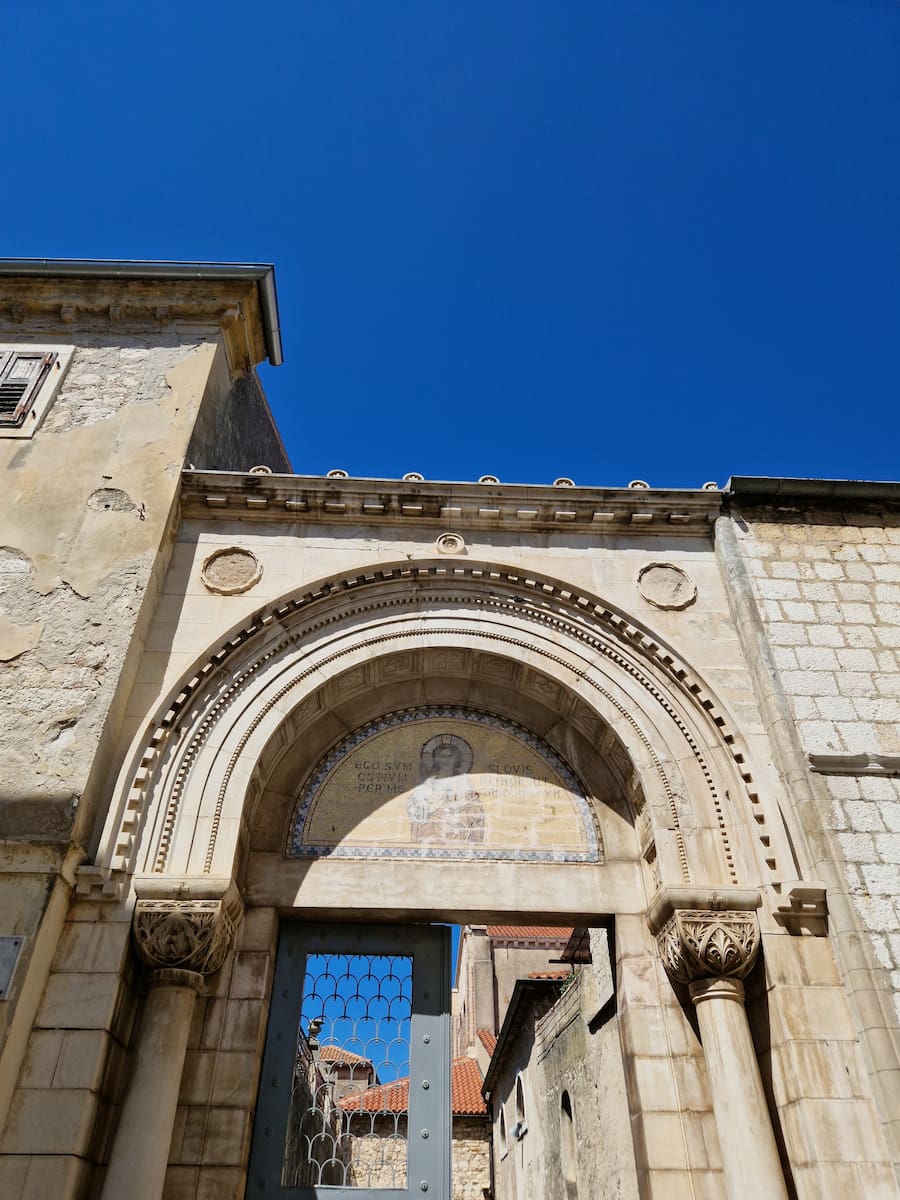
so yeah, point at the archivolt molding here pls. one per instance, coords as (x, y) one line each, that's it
(566, 618)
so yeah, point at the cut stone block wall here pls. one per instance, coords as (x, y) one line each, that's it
(470, 1157)
(828, 590)
(76, 1059)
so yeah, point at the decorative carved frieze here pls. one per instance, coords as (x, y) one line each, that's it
(190, 935)
(698, 944)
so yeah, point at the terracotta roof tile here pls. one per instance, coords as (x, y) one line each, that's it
(465, 1083)
(488, 1040)
(338, 1054)
(465, 1077)
(506, 932)
(386, 1097)
(563, 973)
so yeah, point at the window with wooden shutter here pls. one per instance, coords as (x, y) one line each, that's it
(31, 375)
(22, 372)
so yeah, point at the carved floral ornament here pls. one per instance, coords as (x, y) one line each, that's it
(698, 944)
(189, 935)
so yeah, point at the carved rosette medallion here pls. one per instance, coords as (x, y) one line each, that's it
(698, 945)
(666, 586)
(188, 935)
(230, 570)
(450, 543)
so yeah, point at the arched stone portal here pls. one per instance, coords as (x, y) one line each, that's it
(660, 793)
(308, 669)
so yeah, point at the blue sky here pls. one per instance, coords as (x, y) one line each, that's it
(607, 240)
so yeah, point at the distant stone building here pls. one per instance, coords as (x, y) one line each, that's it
(266, 735)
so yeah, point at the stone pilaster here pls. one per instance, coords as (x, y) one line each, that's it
(711, 949)
(182, 942)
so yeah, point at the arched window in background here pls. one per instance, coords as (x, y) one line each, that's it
(521, 1125)
(568, 1154)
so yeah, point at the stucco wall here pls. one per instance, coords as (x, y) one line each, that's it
(235, 430)
(88, 501)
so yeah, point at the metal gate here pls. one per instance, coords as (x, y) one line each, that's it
(354, 1094)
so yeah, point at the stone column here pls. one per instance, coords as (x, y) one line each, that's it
(711, 952)
(182, 941)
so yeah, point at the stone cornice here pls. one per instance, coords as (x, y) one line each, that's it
(856, 764)
(449, 506)
(32, 307)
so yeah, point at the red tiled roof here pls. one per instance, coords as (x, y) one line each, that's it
(338, 1054)
(563, 973)
(555, 932)
(465, 1086)
(385, 1097)
(488, 1040)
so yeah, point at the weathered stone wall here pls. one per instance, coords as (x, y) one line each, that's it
(378, 1155)
(88, 512)
(89, 509)
(572, 1048)
(828, 589)
(90, 500)
(470, 1158)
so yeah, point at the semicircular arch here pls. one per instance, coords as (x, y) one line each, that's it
(244, 697)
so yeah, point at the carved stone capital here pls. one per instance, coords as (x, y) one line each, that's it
(697, 944)
(188, 935)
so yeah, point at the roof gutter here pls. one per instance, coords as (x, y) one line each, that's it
(765, 488)
(96, 268)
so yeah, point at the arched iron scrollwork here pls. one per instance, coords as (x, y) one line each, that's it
(348, 1121)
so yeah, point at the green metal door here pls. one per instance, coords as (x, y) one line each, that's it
(354, 1095)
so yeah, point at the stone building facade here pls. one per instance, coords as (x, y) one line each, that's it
(557, 1089)
(239, 701)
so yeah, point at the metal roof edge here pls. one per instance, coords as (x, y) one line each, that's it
(101, 268)
(761, 488)
(521, 988)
